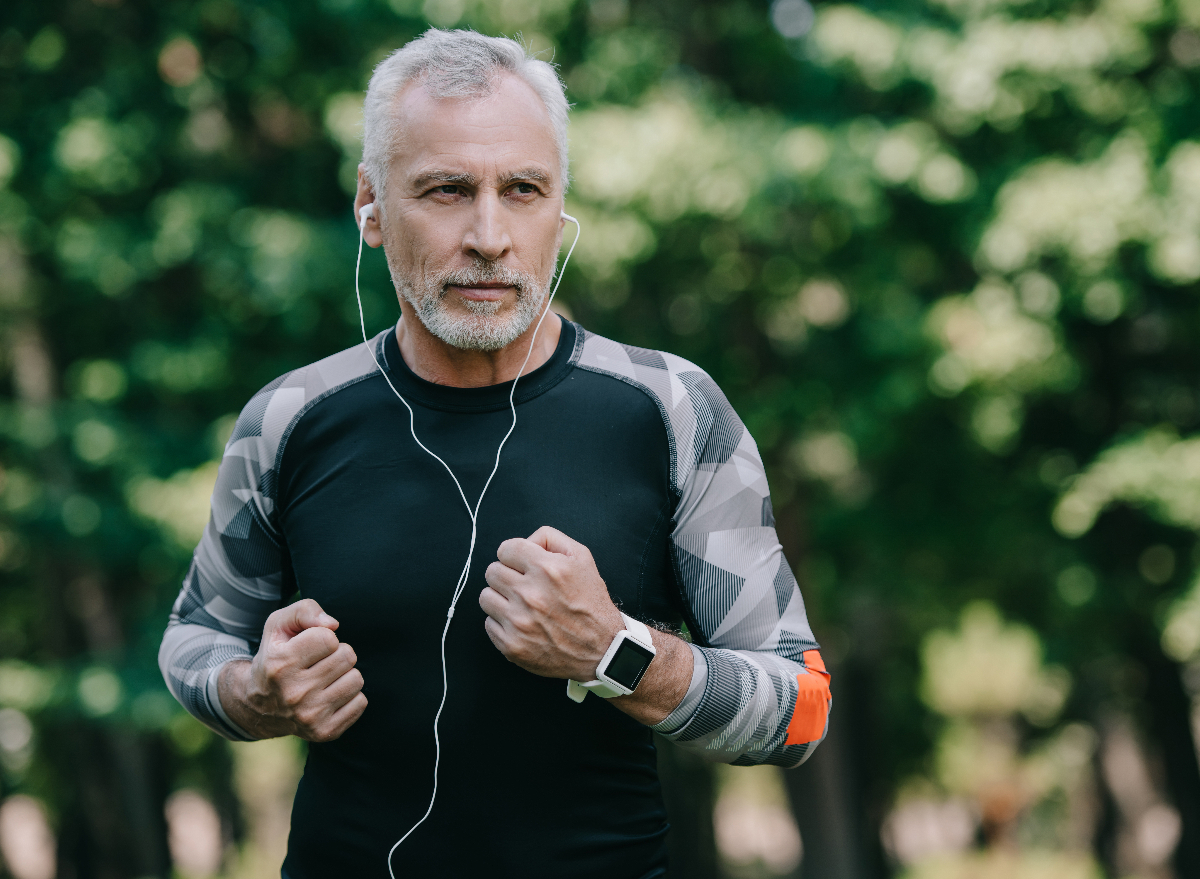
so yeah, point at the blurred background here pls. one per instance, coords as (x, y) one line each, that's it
(942, 255)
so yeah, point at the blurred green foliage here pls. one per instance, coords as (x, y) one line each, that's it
(941, 254)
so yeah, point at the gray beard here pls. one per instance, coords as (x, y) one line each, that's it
(484, 328)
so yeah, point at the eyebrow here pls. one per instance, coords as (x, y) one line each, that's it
(437, 176)
(465, 179)
(534, 174)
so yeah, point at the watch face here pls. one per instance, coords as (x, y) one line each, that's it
(629, 663)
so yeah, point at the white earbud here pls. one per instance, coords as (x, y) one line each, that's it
(365, 213)
(569, 218)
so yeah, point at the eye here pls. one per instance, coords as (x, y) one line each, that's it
(525, 188)
(447, 189)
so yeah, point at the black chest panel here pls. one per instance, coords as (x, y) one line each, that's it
(531, 784)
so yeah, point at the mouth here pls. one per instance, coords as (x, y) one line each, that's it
(484, 292)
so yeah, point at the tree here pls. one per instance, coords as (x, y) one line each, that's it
(941, 255)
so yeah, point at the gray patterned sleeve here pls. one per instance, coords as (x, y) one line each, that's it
(759, 691)
(236, 577)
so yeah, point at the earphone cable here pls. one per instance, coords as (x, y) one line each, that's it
(472, 513)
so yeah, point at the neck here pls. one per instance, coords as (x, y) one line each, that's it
(435, 361)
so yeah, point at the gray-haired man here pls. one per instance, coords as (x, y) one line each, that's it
(628, 493)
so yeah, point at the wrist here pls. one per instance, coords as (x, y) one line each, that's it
(232, 680)
(625, 662)
(611, 627)
(665, 683)
(242, 702)
(231, 683)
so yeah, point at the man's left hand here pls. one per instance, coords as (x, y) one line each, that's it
(548, 608)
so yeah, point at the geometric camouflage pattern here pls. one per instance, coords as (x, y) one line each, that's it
(746, 615)
(236, 578)
(753, 630)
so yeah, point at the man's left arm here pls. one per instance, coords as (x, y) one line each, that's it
(549, 612)
(759, 691)
(752, 688)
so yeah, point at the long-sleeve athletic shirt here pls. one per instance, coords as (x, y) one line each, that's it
(635, 453)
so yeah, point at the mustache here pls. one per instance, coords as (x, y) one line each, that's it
(483, 272)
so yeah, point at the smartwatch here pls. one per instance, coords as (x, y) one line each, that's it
(622, 666)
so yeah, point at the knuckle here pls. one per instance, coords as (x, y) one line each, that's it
(497, 636)
(356, 679)
(492, 629)
(521, 622)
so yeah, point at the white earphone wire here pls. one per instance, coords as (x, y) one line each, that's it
(472, 513)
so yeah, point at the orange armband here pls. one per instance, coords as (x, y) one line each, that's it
(812, 702)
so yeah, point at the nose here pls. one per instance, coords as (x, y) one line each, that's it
(487, 236)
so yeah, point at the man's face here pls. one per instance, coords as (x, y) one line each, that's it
(472, 212)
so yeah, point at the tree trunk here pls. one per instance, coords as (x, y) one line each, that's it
(113, 825)
(829, 792)
(1171, 717)
(687, 783)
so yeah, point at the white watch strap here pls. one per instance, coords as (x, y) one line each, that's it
(639, 630)
(577, 690)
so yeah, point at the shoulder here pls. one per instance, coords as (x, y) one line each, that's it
(269, 417)
(702, 425)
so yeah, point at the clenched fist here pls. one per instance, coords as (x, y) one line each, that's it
(548, 608)
(302, 682)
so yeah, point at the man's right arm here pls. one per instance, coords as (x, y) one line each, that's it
(302, 680)
(236, 660)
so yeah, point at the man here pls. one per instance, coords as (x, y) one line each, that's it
(628, 487)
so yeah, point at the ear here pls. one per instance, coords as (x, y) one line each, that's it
(365, 196)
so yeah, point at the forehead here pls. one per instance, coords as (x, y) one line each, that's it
(486, 136)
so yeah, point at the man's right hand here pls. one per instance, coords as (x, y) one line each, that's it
(302, 682)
